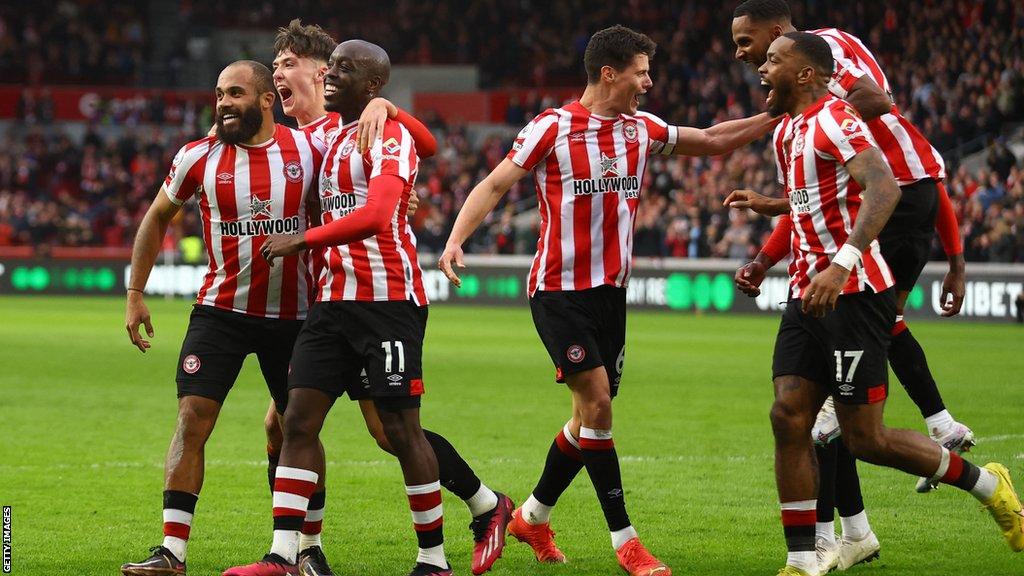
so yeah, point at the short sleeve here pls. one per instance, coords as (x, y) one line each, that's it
(841, 134)
(535, 141)
(662, 137)
(181, 183)
(393, 153)
(846, 72)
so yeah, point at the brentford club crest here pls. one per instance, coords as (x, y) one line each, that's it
(293, 171)
(629, 131)
(576, 353)
(347, 148)
(191, 364)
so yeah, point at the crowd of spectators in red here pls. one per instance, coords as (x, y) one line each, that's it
(956, 68)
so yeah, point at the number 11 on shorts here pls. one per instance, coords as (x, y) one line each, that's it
(388, 356)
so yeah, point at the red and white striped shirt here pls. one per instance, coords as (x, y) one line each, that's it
(589, 171)
(812, 150)
(246, 193)
(384, 266)
(324, 127)
(906, 150)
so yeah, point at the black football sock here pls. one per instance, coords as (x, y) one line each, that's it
(564, 462)
(826, 481)
(911, 367)
(849, 499)
(602, 463)
(455, 474)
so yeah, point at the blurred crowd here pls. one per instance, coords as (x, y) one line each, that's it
(72, 42)
(55, 190)
(956, 68)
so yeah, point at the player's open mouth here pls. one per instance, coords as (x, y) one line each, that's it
(771, 91)
(329, 89)
(228, 118)
(286, 95)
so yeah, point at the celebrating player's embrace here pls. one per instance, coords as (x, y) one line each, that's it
(313, 267)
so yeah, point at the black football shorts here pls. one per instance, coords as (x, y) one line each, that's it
(583, 329)
(847, 351)
(365, 349)
(216, 344)
(906, 239)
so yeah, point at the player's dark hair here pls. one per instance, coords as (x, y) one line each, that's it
(262, 77)
(815, 49)
(615, 47)
(310, 41)
(763, 10)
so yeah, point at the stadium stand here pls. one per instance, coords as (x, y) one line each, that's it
(89, 187)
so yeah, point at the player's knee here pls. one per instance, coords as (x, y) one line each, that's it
(597, 410)
(299, 428)
(866, 445)
(787, 422)
(195, 422)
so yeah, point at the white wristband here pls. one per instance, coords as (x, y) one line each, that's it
(847, 257)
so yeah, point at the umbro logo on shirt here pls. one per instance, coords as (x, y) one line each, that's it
(225, 177)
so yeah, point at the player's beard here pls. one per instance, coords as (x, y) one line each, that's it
(250, 120)
(782, 95)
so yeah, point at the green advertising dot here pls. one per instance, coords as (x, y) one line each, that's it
(678, 291)
(702, 291)
(70, 278)
(19, 278)
(916, 298)
(722, 293)
(88, 278)
(513, 287)
(105, 279)
(470, 287)
(39, 278)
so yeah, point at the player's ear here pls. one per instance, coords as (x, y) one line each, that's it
(776, 31)
(608, 73)
(805, 74)
(267, 100)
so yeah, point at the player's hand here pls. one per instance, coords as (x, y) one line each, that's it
(414, 202)
(136, 314)
(823, 292)
(452, 253)
(282, 245)
(371, 121)
(953, 288)
(748, 199)
(749, 277)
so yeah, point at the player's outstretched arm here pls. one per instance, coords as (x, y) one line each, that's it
(722, 137)
(868, 98)
(954, 283)
(145, 250)
(373, 217)
(749, 277)
(371, 126)
(481, 200)
(878, 199)
(763, 205)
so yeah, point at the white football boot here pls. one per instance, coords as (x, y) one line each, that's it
(826, 425)
(959, 439)
(853, 552)
(828, 555)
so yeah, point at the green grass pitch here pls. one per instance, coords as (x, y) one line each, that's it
(87, 418)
